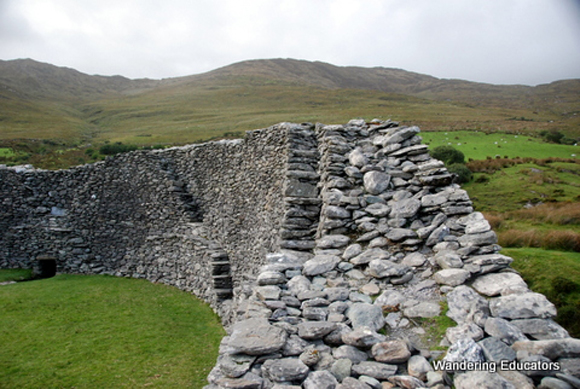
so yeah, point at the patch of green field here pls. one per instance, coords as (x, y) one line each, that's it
(513, 187)
(104, 332)
(480, 145)
(555, 274)
(6, 152)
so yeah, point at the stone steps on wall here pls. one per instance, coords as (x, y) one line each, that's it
(301, 194)
(221, 275)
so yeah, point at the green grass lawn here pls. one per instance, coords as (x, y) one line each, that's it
(6, 152)
(479, 145)
(75, 331)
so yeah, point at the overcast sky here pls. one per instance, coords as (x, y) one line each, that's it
(496, 41)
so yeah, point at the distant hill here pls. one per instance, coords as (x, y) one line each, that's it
(43, 102)
(33, 79)
(391, 80)
(30, 79)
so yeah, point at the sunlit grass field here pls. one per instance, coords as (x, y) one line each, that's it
(75, 331)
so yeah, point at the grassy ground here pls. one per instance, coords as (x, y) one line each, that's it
(15, 275)
(103, 332)
(6, 152)
(511, 188)
(555, 274)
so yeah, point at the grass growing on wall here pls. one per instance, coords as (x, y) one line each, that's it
(104, 332)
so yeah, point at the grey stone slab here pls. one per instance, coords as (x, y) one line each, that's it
(522, 306)
(256, 337)
(377, 370)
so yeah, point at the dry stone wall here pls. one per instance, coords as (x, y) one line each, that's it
(200, 217)
(396, 242)
(325, 249)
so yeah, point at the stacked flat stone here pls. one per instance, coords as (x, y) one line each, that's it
(301, 192)
(396, 238)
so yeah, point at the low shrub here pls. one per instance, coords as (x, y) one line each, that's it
(495, 221)
(569, 317)
(482, 179)
(562, 285)
(561, 240)
(116, 148)
(554, 213)
(552, 240)
(491, 165)
(519, 238)
(448, 154)
(463, 173)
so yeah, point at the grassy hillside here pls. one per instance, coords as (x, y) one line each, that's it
(54, 115)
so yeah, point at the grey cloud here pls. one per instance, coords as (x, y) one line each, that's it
(493, 41)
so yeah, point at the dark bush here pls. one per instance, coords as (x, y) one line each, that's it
(562, 285)
(448, 154)
(116, 148)
(569, 317)
(463, 173)
(482, 179)
(552, 136)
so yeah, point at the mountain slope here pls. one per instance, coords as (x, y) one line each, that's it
(45, 102)
(30, 79)
(390, 80)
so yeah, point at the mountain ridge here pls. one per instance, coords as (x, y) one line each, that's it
(40, 101)
(30, 73)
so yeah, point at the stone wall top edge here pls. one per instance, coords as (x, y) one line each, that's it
(30, 169)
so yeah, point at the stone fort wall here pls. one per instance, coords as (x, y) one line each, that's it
(326, 247)
(162, 215)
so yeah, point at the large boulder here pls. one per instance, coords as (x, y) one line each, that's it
(466, 304)
(553, 349)
(522, 306)
(320, 264)
(391, 351)
(381, 268)
(376, 182)
(366, 315)
(285, 370)
(406, 208)
(541, 329)
(493, 284)
(451, 277)
(256, 337)
(378, 370)
(504, 330)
